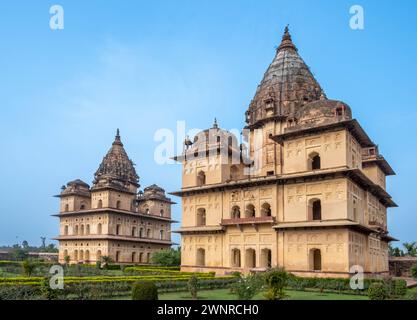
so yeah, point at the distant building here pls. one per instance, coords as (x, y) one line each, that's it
(112, 218)
(308, 194)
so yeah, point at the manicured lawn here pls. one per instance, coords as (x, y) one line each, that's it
(224, 294)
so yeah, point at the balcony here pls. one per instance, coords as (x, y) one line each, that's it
(370, 153)
(378, 225)
(254, 221)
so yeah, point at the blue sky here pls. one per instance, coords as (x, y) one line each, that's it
(143, 65)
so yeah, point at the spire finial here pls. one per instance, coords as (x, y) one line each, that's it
(286, 40)
(215, 125)
(117, 139)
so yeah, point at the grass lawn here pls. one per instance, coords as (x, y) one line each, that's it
(224, 294)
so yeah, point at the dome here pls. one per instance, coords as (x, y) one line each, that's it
(116, 166)
(287, 85)
(76, 187)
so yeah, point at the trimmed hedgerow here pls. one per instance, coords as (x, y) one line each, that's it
(377, 291)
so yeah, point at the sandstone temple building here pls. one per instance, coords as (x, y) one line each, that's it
(307, 194)
(111, 218)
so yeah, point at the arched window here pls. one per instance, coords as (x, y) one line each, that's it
(133, 256)
(141, 257)
(236, 258)
(87, 256)
(201, 217)
(66, 230)
(234, 172)
(201, 257)
(315, 259)
(141, 233)
(266, 210)
(236, 212)
(87, 229)
(161, 212)
(76, 230)
(133, 231)
(82, 206)
(147, 211)
(161, 234)
(118, 229)
(100, 204)
(82, 230)
(81, 257)
(148, 257)
(250, 258)
(201, 179)
(117, 256)
(76, 255)
(99, 228)
(314, 161)
(118, 204)
(316, 210)
(66, 208)
(149, 233)
(266, 258)
(250, 211)
(98, 255)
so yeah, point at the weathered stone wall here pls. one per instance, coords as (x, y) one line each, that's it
(401, 266)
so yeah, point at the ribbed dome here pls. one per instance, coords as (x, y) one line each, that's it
(287, 85)
(116, 166)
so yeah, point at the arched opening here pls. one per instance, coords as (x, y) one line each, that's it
(148, 233)
(133, 256)
(250, 258)
(234, 172)
(75, 255)
(66, 230)
(98, 255)
(100, 204)
(201, 257)
(201, 179)
(161, 234)
(266, 258)
(82, 230)
(82, 206)
(314, 161)
(315, 260)
(141, 257)
(81, 255)
(201, 217)
(66, 208)
(99, 227)
(161, 213)
(118, 229)
(118, 204)
(236, 212)
(250, 211)
(148, 257)
(236, 258)
(87, 256)
(141, 233)
(117, 256)
(147, 211)
(266, 210)
(65, 254)
(133, 231)
(76, 230)
(315, 210)
(87, 229)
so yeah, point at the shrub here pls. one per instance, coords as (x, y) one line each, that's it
(414, 271)
(400, 288)
(193, 287)
(377, 291)
(276, 280)
(28, 267)
(46, 291)
(247, 287)
(145, 290)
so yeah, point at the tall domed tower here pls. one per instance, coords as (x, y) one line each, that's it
(314, 199)
(109, 219)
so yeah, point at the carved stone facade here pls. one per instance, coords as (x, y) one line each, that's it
(307, 194)
(112, 218)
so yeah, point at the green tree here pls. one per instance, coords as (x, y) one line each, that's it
(144, 290)
(276, 280)
(395, 251)
(106, 261)
(167, 258)
(411, 248)
(28, 267)
(193, 287)
(19, 254)
(25, 244)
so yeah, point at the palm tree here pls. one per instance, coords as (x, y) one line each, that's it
(411, 248)
(105, 261)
